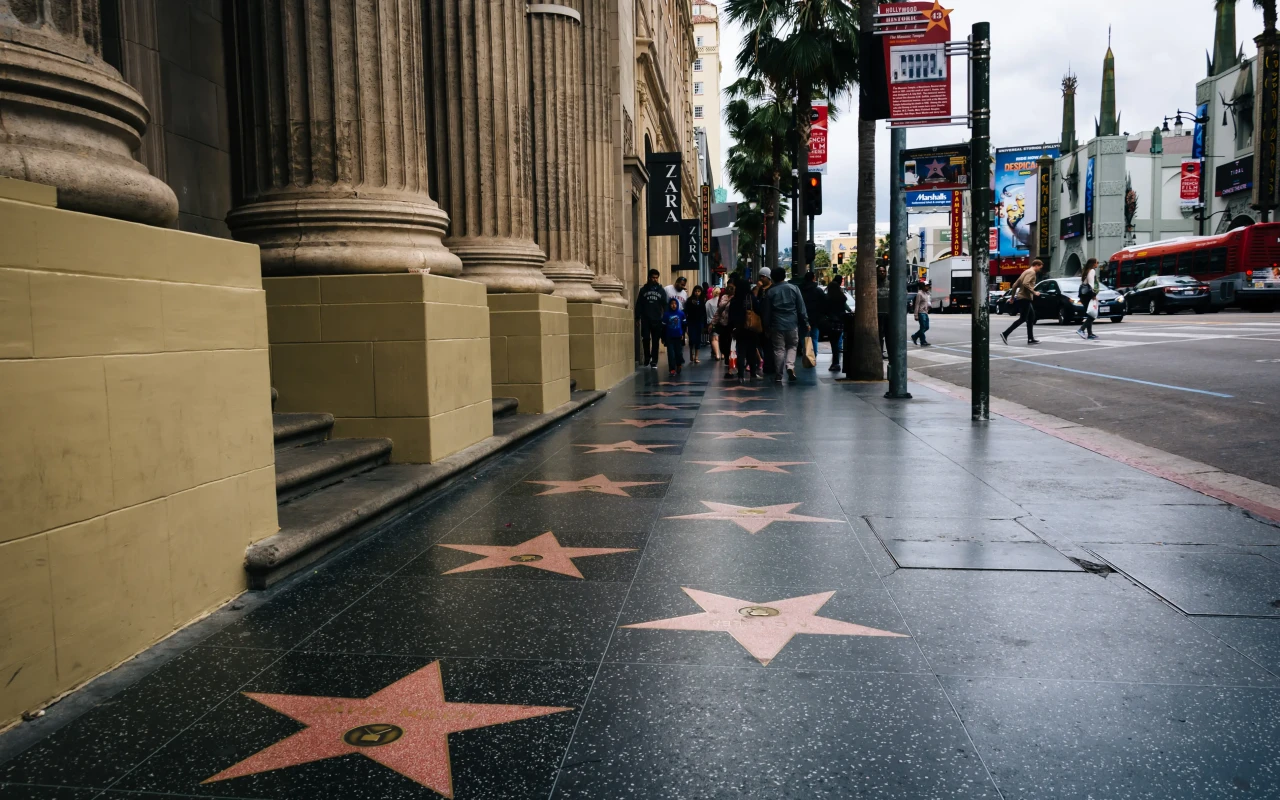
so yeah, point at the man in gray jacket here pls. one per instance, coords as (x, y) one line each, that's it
(785, 319)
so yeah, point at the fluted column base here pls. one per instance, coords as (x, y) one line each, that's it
(75, 126)
(346, 236)
(503, 265)
(611, 291)
(573, 281)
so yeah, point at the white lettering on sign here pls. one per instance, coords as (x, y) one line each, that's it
(671, 217)
(671, 201)
(671, 170)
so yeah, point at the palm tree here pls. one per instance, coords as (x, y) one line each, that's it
(757, 118)
(862, 350)
(1268, 15)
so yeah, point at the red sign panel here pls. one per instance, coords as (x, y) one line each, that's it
(917, 66)
(818, 137)
(957, 223)
(1190, 189)
(994, 244)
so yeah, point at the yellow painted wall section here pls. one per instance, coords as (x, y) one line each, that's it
(135, 409)
(601, 345)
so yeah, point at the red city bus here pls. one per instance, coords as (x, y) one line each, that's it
(1242, 266)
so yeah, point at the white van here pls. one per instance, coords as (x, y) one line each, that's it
(952, 280)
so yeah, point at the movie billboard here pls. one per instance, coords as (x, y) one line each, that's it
(1014, 166)
(935, 168)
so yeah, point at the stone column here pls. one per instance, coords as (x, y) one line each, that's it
(559, 180)
(602, 173)
(478, 98)
(67, 119)
(331, 175)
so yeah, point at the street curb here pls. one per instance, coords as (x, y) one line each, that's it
(1253, 496)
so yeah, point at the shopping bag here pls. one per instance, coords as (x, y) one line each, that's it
(1093, 309)
(754, 323)
(810, 358)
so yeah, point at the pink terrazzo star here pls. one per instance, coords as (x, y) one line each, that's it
(404, 726)
(643, 423)
(744, 389)
(656, 407)
(749, 463)
(740, 400)
(762, 628)
(751, 520)
(597, 483)
(676, 383)
(742, 414)
(540, 552)
(745, 433)
(624, 447)
(670, 394)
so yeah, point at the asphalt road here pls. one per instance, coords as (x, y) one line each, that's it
(1206, 387)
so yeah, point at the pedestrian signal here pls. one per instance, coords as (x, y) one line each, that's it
(813, 195)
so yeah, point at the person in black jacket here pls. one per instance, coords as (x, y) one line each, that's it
(651, 303)
(745, 339)
(833, 313)
(695, 311)
(814, 303)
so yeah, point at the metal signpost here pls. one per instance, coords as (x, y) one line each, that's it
(918, 48)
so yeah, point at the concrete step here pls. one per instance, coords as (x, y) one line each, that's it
(504, 406)
(296, 429)
(343, 513)
(308, 468)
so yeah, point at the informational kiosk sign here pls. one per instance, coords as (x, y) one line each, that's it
(917, 66)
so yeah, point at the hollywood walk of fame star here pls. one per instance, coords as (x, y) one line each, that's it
(596, 483)
(625, 447)
(749, 463)
(674, 383)
(657, 407)
(744, 389)
(762, 628)
(670, 394)
(643, 423)
(938, 17)
(740, 400)
(404, 726)
(743, 414)
(540, 552)
(751, 520)
(744, 433)
(935, 169)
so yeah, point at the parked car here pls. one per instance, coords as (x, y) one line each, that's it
(993, 299)
(1169, 294)
(1005, 304)
(1060, 299)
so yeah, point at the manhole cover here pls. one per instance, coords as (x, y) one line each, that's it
(372, 735)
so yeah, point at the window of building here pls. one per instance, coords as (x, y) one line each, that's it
(697, 87)
(697, 40)
(1244, 123)
(697, 11)
(697, 65)
(697, 112)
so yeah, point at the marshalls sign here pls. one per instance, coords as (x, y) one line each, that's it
(664, 194)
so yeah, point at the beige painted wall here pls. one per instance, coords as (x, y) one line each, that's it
(401, 356)
(601, 345)
(135, 413)
(529, 350)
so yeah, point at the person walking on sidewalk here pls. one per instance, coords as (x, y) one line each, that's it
(651, 304)
(764, 342)
(813, 303)
(833, 313)
(1024, 295)
(921, 310)
(673, 330)
(1089, 298)
(695, 311)
(713, 305)
(677, 290)
(882, 307)
(785, 319)
(744, 319)
(721, 327)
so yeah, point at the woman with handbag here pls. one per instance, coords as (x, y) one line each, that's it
(695, 310)
(1089, 299)
(713, 305)
(833, 314)
(744, 318)
(723, 329)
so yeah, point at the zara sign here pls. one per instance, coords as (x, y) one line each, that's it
(664, 194)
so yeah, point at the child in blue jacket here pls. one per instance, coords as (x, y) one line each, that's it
(673, 328)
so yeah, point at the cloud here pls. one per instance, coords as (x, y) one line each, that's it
(1159, 50)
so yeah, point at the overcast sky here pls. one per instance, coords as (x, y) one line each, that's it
(1159, 49)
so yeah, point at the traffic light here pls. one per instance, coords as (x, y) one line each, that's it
(810, 253)
(839, 258)
(813, 195)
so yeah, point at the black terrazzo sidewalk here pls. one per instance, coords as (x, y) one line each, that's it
(837, 597)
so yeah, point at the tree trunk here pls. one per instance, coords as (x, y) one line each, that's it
(774, 204)
(862, 349)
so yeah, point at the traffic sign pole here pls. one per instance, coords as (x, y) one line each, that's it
(979, 234)
(897, 333)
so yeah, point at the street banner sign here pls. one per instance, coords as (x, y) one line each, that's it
(704, 197)
(917, 66)
(1044, 182)
(664, 193)
(1266, 181)
(934, 168)
(1088, 200)
(1233, 177)
(1189, 189)
(818, 137)
(690, 246)
(928, 200)
(957, 224)
(1197, 139)
(1014, 165)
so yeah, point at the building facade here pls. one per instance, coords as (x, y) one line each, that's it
(389, 214)
(705, 83)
